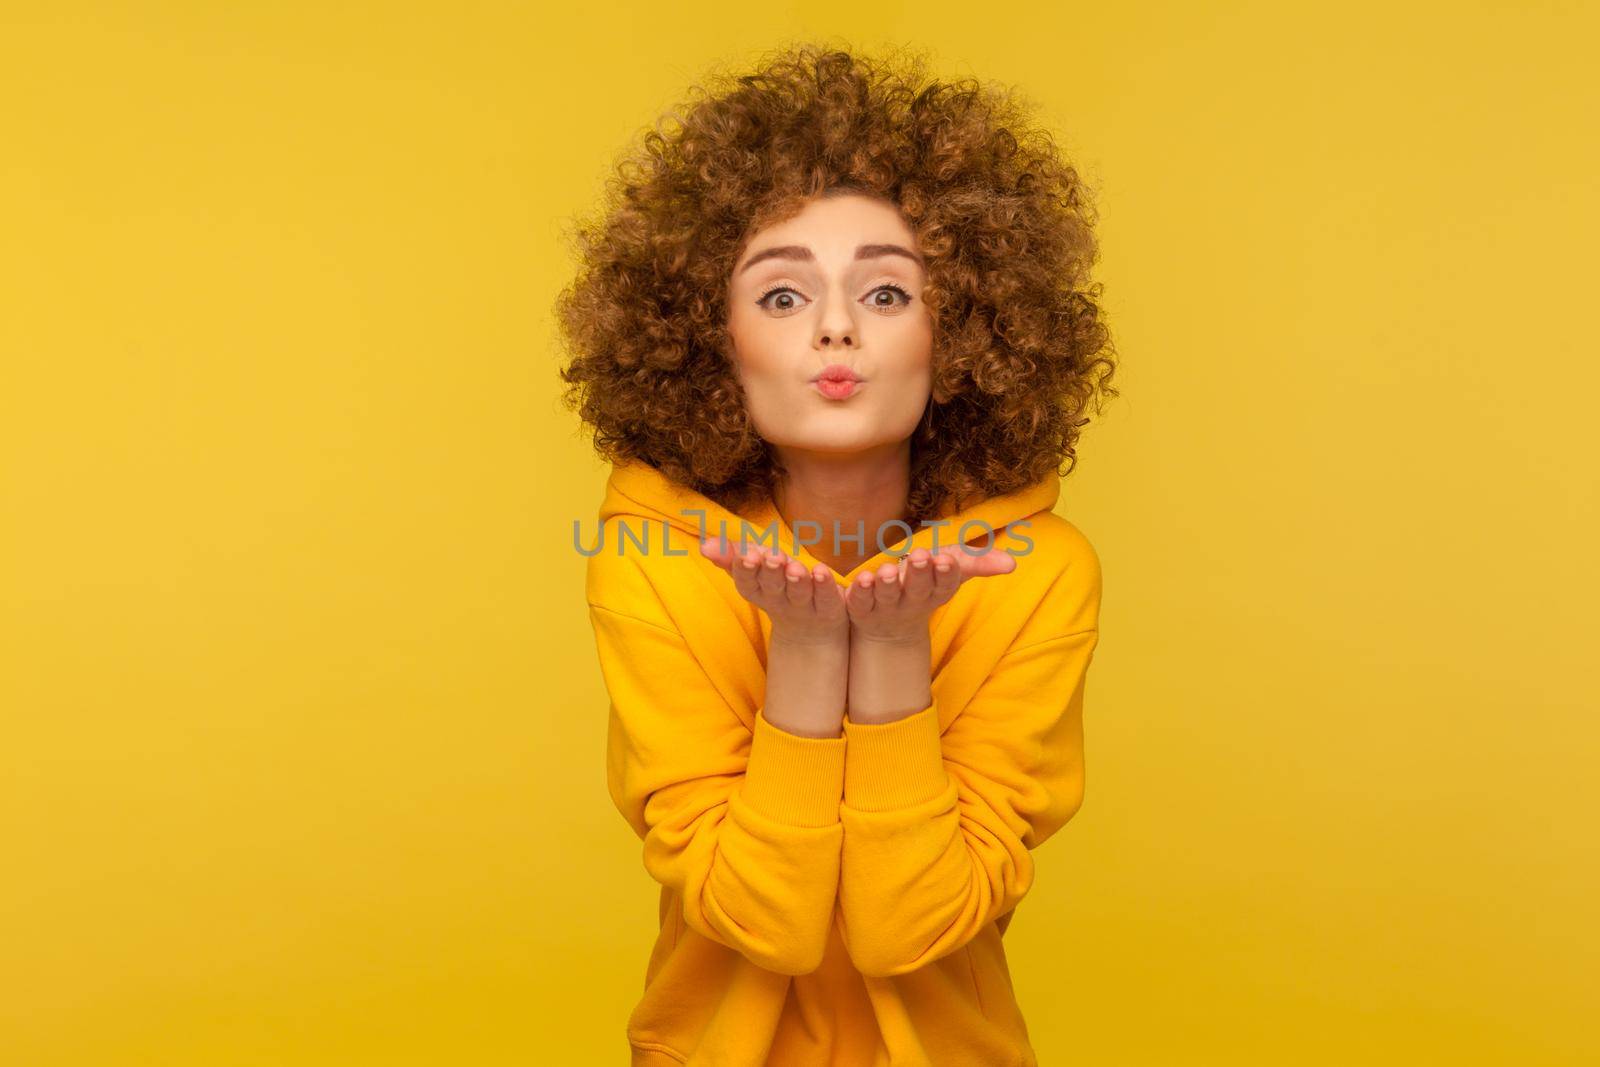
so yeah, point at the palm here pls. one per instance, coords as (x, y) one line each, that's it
(895, 600)
(800, 602)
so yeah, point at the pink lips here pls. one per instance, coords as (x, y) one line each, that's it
(836, 381)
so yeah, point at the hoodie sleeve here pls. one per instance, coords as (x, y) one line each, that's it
(938, 830)
(743, 824)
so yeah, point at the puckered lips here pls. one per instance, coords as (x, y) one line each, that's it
(837, 381)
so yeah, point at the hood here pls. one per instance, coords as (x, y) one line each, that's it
(642, 493)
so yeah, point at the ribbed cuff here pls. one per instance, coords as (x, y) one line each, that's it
(794, 779)
(894, 764)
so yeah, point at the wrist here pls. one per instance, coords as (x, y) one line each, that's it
(802, 637)
(890, 675)
(901, 638)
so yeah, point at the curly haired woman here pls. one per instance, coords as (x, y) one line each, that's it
(839, 312)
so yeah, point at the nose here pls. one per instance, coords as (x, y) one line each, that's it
(834, 328)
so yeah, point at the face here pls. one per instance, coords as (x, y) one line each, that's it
(838, 285)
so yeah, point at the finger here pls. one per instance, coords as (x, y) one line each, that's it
(770, 577)
(718, 551)
(860, 599)
(946, 574)
(744, 575)
(990, 563)
(797, 582)
(887, 590)
(918, 584)
(827, 594)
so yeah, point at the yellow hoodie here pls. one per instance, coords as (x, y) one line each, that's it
(836, 901)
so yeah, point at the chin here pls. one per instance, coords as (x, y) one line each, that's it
(835, 445)
(837, 429)
(838, 440)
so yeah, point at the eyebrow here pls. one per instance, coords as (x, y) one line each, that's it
(801, 252)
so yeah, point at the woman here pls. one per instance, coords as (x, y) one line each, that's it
(835, 333)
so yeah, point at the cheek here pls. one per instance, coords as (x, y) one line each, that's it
(914, 355)
(754, 366)
(757, 351)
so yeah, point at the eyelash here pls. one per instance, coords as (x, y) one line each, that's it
(761, 300)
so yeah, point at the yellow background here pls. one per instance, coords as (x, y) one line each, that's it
(302, 751)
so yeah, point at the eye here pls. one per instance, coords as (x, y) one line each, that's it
(782, 298)
(905, 297)
(761, 301)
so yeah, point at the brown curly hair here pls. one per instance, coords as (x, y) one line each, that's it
(1020, 348)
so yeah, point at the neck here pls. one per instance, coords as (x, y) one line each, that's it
(837, 490)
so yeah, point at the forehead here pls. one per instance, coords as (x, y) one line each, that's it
(836, 221)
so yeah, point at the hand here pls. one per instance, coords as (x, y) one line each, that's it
(894, 602)
(802, 605)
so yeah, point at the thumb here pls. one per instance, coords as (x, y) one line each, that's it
(717, 550)
(986, 564)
